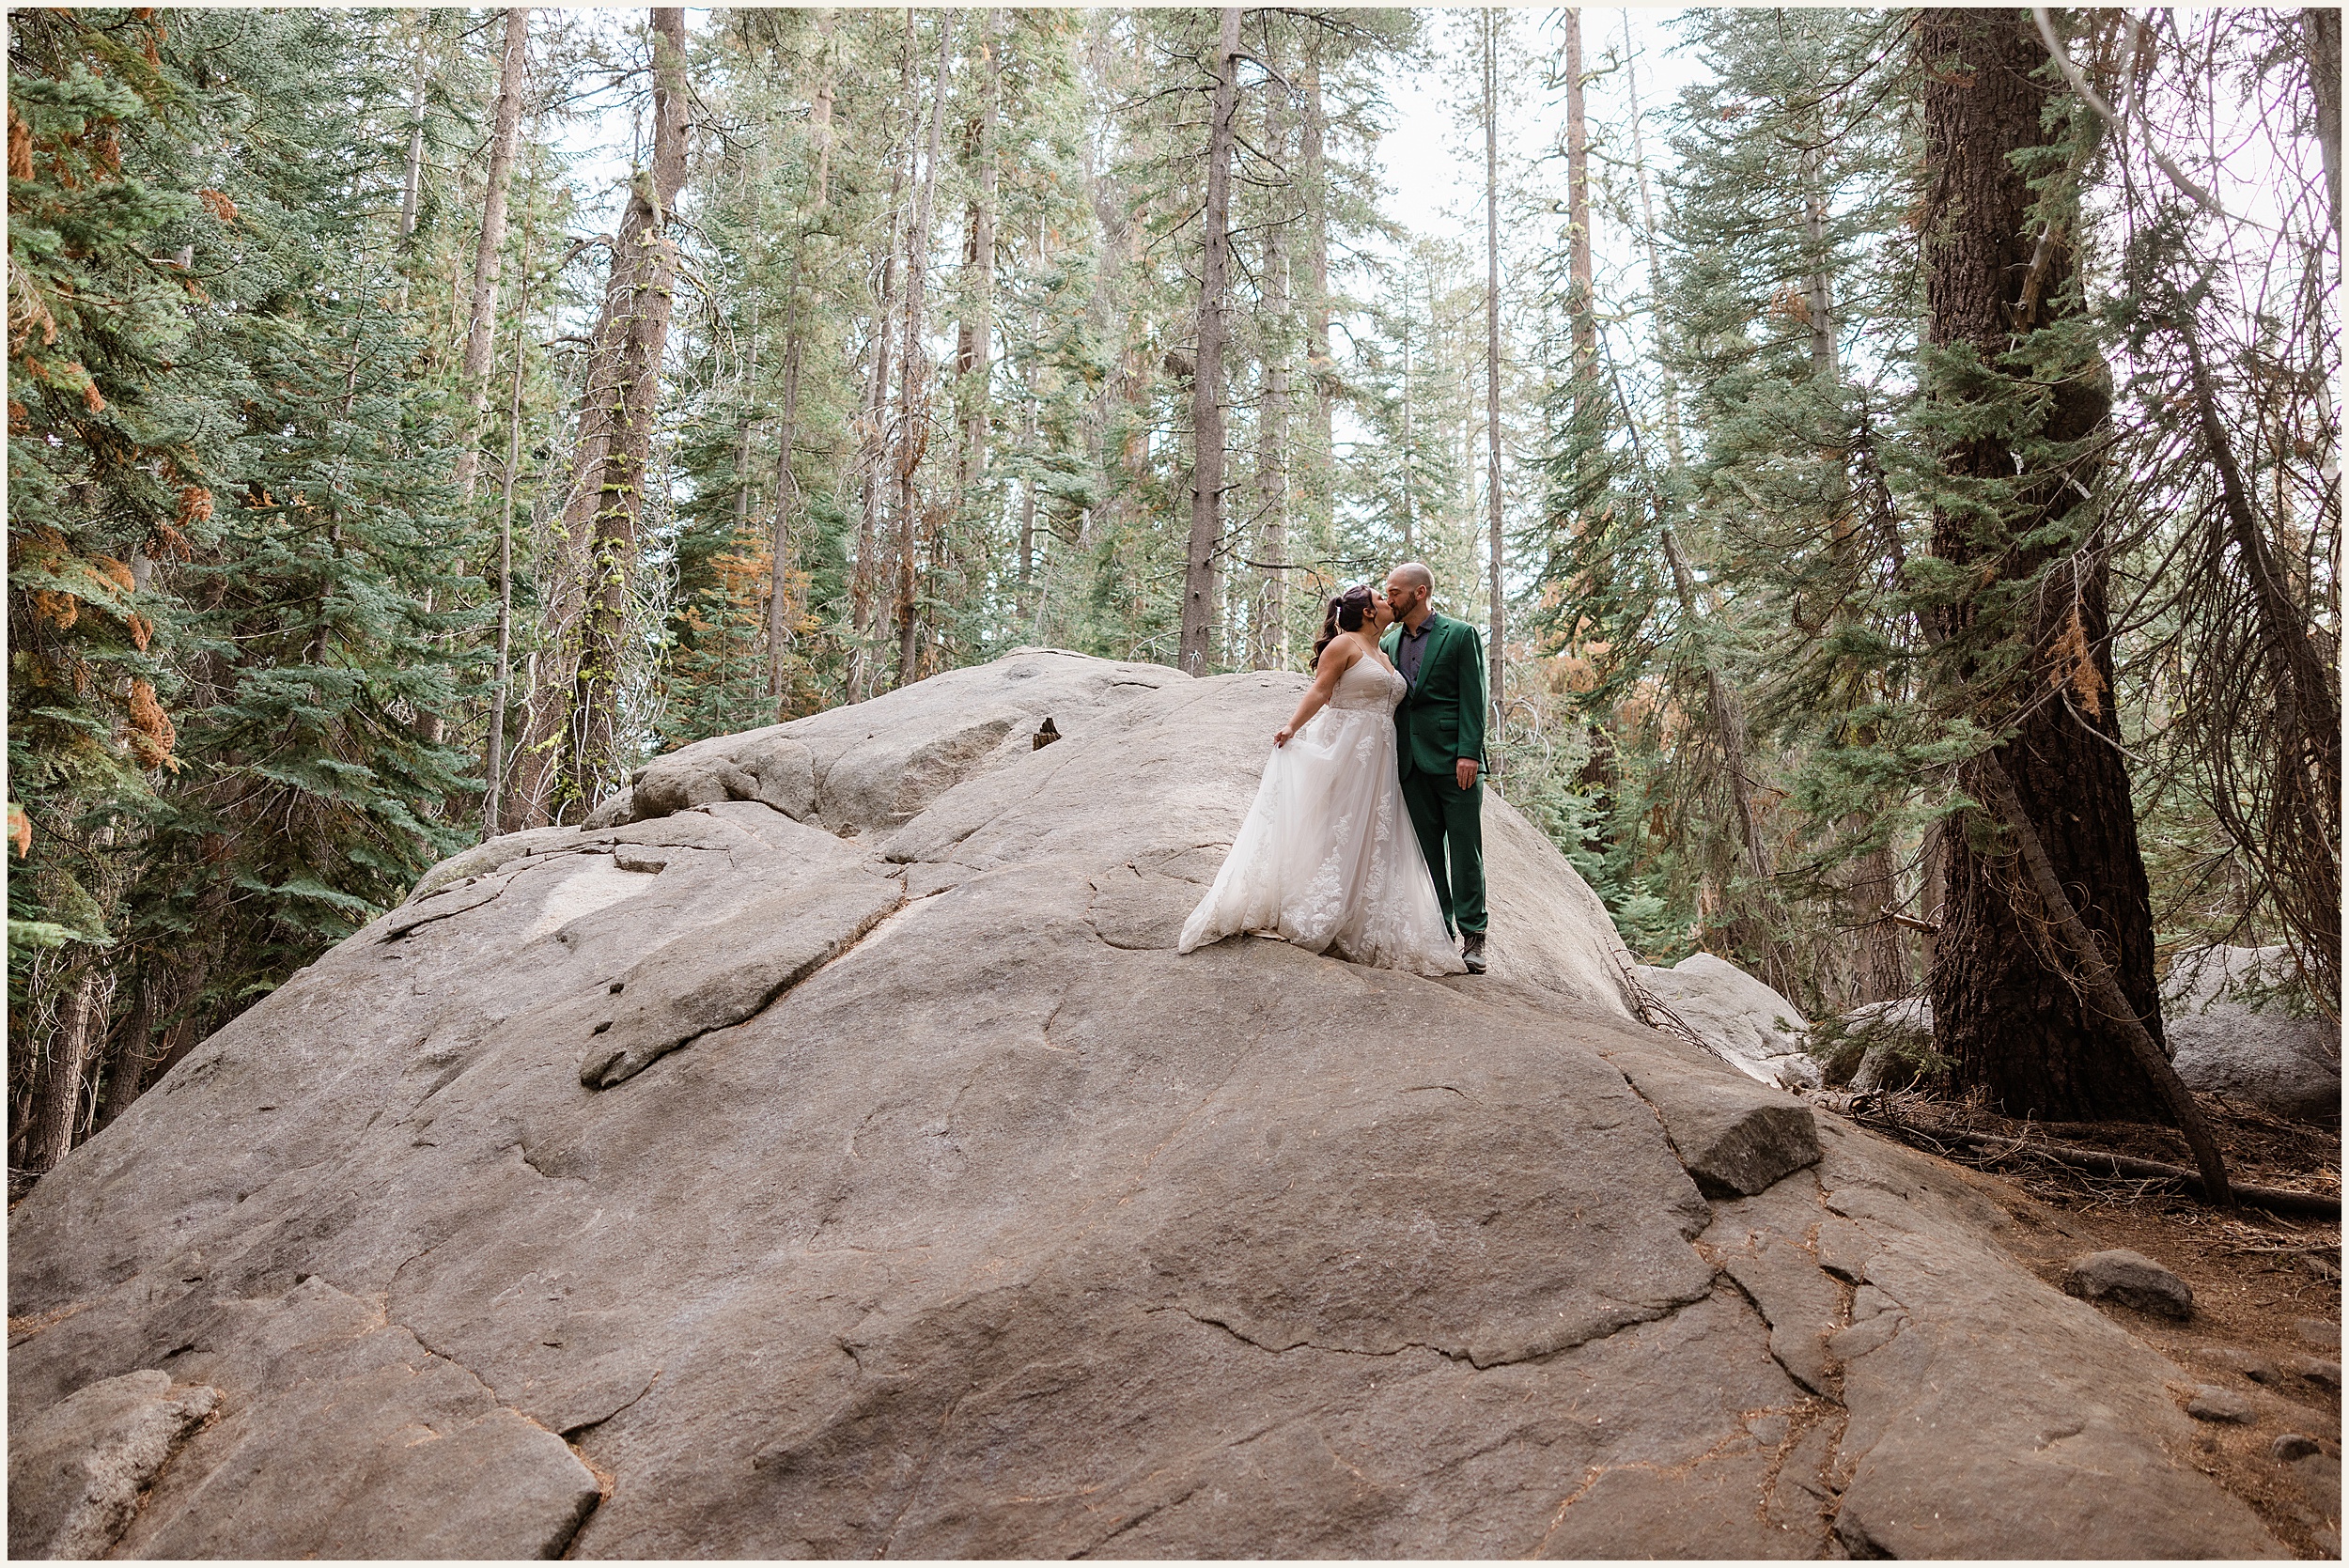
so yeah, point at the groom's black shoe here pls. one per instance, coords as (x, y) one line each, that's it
(1472, 950)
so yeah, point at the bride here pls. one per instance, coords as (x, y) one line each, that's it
(1327, 858)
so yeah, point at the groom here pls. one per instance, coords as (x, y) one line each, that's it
(1440, 747)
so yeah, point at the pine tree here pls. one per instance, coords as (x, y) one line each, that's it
(2014, 400)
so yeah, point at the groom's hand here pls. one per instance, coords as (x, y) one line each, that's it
(1465, 771)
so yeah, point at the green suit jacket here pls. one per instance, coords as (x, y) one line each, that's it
(1442, 719)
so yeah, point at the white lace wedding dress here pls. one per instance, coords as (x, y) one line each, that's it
(1327, 858)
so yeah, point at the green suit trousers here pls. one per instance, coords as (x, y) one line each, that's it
(1450, 818)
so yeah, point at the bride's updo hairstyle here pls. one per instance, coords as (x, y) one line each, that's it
(1347, 612)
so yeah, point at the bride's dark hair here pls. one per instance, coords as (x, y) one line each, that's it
(1347, 612)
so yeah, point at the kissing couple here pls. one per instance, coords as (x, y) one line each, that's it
(1392, 728)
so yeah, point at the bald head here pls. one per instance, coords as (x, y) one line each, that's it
(1410, 588)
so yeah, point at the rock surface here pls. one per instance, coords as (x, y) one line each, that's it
(1745, 1022)
(2131, 1279)
(2238, 1026)
(637, 1191)
(76, 1468)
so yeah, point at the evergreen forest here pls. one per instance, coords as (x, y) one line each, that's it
(1893, 456)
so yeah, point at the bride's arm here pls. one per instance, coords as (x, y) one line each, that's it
(1334, 660)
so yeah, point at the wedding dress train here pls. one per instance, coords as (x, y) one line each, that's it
(1327, 858)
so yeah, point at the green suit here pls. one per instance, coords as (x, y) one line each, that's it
(1439, 722)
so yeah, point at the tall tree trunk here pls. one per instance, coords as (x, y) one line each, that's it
(495, 805)
(1320, 459)
(57, 1082)
(1584, 326)
(973, 350)
(1492, 340)
(1670, 385)
(1027, 512)
(2321, 29)
(622, 399)
(869, 588)
(787, 438)
(1271, 643)
(1206, 388)
(1410, 430)
(412, 182)
(2005, 1009)
(490, 254)
(913, 397)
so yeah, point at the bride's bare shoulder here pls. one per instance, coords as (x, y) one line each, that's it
(1338, 658)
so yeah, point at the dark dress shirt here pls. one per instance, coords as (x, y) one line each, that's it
(1408, 646)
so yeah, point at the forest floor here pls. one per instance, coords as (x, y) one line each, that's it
(2267, 1287)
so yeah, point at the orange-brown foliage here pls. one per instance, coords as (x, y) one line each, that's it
(2070, 662)
(151, 735)
(61, 609)
(19, 146)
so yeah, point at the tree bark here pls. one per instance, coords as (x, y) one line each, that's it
(1585, 329)
(1027, 514)
(1269, 643)
(490, 254)
(1319, 486)
(1654, 261)
(867, 589)
(1206, 386)
(973, 350)
(2321, 29)
(1492, 340)
(1410, 425)
(2104, 990)
(412, 181)
(788, 437)
(623, 399)
(496, 808)
(2005, 1011)
(913, 398)
(57, 1083)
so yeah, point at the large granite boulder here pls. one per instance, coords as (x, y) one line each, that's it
(858, 1170)
(2241, 1024)
(1744, 1020)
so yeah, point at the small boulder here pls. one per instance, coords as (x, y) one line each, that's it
(770, 769)
(2315, 1369)
(1885, 1045)
(614, 811)
(2295, 1445)
(2212, 1403)
(2259, 1369)
(2130, 1278)
(2239, 1023)
(2318, 1333)
(1733, 1136)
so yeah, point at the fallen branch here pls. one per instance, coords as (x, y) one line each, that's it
(2097, 1162)
(2091, 1162)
